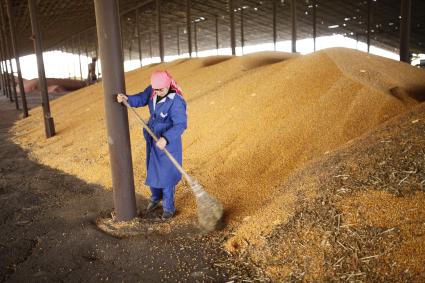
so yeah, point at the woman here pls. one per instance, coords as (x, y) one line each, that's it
(168, 121)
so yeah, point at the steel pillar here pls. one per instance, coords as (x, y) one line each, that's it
(232, 28)
(216, 33)
(9, 52)
(406, 11)
(3, 84)
(294, 25)
(160, 35)
(139, 35)
(242, 32)
(274, 24)
(314, 24)
(79, 56)
(189, 26)
(150, 44)
(108, 33)
(195, 33)
(368, 23)
(5, 56)
(178, 41)
(15, 95)
(36, 36)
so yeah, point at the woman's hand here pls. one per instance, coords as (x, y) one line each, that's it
(161, 143)
(121, 97)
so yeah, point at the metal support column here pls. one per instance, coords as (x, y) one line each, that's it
(294, 25)
(36, 36)
(2, 67)
(242, 32)
(9, 52)
(189, 26)
(160, 36)
(73, 56)
(108, 33)
(79, 56)
(3, 85)
(232, 28)
(195, 33)
(178, 40)
(139, 36)
(406, 11)
(314, 24)
(4, 51)
(369, 6)
(216, 33)
(274, 24)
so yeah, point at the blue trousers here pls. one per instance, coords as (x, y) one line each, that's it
(167, 197)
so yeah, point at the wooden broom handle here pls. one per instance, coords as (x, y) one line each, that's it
(145, 126)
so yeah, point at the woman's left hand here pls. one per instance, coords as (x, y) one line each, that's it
(161, 143)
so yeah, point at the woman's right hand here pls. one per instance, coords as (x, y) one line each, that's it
(121, 97)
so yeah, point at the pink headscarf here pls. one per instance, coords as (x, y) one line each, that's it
(162, 79)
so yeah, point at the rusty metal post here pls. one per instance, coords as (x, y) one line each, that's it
(294, 25)
(139, 35)
(3, 84)
(150, 44)
(4, 49)
(189, 26)
(274, 24)
(36, 36)
(368, 23)
(9, 55)
(195, 33)
(108, 33)
(406, 11)
(79, 56)
(178, 40)
(16, 54)
(2, 69)
(232, 28)
(216, 34)
(242, 32)
(314, 24)
(160, 36)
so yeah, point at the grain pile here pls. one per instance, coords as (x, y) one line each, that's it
(253, 120)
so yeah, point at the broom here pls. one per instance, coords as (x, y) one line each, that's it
(210, 210)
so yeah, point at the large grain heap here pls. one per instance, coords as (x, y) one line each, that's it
(252, 122)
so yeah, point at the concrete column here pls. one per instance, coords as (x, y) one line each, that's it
(406, 11)
(108, 33)
(36, 36)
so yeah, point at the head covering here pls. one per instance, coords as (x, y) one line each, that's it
(162, 79)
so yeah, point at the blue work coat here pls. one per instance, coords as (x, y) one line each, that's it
(167, 119)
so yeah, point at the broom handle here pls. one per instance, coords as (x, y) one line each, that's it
(145, 126)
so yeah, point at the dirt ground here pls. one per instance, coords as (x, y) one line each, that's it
(48, 232)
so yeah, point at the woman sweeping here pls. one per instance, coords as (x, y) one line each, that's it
(168, 121)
